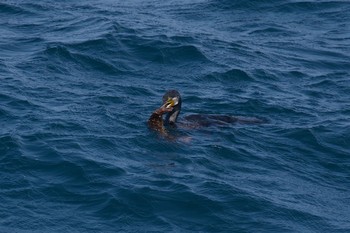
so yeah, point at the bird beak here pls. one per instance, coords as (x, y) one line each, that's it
(171, 102)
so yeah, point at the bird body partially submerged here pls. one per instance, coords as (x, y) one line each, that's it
(172, 107)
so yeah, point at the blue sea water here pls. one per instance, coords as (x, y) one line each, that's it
(79, 80)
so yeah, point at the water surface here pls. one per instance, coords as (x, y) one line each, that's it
(80, 79)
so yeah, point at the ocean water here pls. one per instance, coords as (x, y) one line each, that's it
(79, 80)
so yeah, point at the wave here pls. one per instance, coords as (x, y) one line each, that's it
(120, 54)
(271, 31)
(9, 147)
(17, 106)
(81, 61)
(230, 76)
(310, 6)
(241, 4)
(13, 9)
(159, 51)
(280, 5)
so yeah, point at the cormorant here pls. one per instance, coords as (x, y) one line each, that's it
(172, 107)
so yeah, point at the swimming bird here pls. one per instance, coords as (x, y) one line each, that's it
(171, 108)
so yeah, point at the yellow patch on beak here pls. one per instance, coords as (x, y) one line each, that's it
(171, 102)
